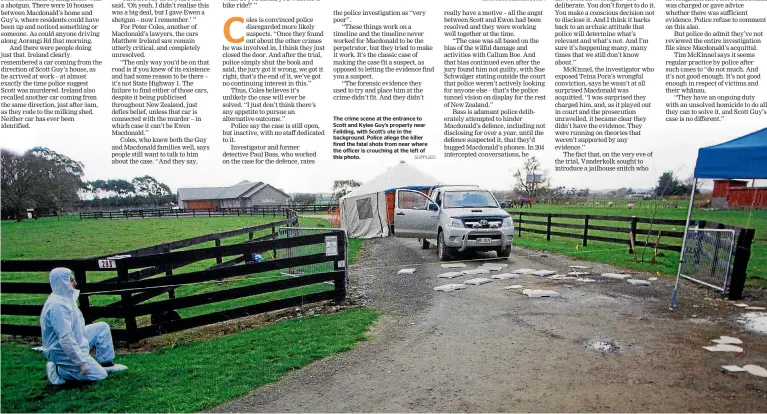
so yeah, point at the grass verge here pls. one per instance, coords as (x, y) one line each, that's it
(609, 253)
(618, 255)
(187, 377)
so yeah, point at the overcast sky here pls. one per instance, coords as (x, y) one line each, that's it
(674, 145)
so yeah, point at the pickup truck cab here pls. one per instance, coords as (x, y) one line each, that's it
(457, 218)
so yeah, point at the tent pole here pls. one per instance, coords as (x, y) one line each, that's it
(753, 202)
(674, 295)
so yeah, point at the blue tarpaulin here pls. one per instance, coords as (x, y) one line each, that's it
(744, 157)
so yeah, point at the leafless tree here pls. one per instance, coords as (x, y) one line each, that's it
(530, 189)
(344, 187)
(691, 180)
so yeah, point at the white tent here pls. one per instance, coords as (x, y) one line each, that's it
(364, 210)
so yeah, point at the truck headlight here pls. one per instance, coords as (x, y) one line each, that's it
(456, 223)
(506, 222)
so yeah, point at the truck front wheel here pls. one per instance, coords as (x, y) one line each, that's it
(504, 253)
(445, 253)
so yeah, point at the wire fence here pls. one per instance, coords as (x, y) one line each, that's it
(303, 250)
(708, 257)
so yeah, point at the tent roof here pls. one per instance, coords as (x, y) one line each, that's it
(399, 176)
(744, 157)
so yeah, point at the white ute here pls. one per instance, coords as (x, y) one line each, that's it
(459, 218)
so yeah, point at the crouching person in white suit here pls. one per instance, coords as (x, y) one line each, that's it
(67, 340)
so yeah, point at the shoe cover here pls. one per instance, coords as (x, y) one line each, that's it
(115, 368)
(53, 375)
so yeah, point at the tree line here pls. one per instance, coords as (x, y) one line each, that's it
(48, 182)
(139, 192)
(340, 189)
(668, 184)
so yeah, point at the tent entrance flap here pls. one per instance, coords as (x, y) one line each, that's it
(364, 216)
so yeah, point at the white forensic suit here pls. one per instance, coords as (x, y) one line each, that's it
(67, 340)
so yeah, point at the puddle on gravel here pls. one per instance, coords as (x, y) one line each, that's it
(701, 321)
(603, 346)
(754, 321)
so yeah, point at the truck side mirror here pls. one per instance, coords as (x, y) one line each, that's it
(433, 207)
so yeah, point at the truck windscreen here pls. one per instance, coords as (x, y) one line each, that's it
(469, 199)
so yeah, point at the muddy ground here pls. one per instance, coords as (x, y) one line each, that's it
(602, 346)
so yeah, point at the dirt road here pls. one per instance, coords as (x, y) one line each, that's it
(602, 346)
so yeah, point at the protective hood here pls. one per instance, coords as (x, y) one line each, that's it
(62, 323)
(61, 285)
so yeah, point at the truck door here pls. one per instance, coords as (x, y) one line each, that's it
(415, 215)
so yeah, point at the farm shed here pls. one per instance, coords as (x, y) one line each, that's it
(367, 211)
(737, 193)
(244, 194)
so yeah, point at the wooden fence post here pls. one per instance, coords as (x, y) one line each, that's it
(633, 234)
(274, 251)
(520, 224)
(340, 279)
(586, 231)
(127, 300)
(219, 259)
(85, 301)
(169, 272)
(740, 264)
(548, 228)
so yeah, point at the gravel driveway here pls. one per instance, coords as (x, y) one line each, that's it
(602, 346)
